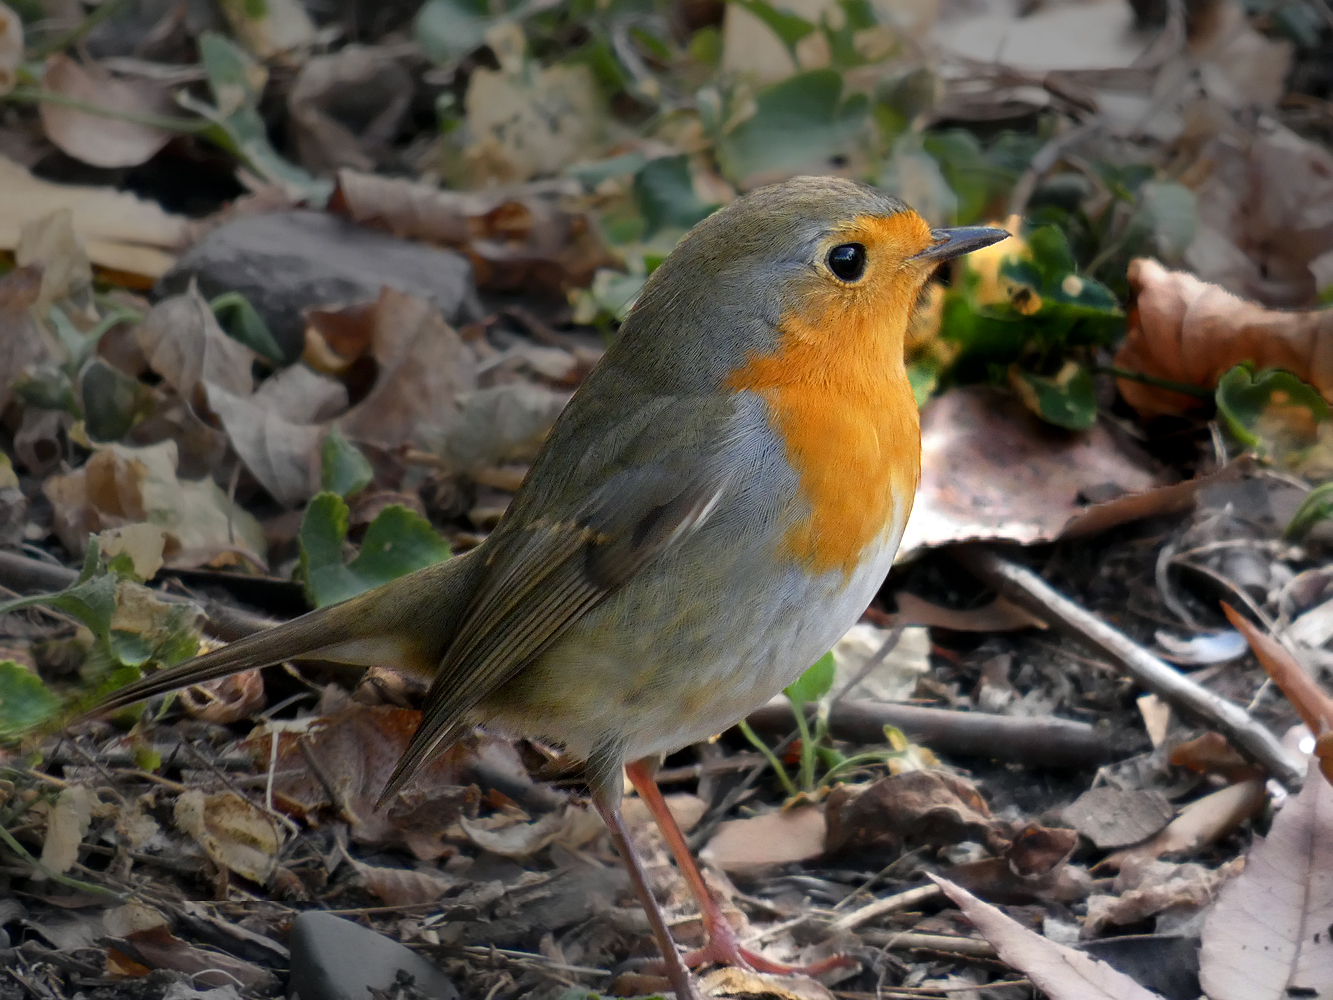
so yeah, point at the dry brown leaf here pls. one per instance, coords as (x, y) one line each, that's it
(284, 456)
(11, 48)
(1212, 754)
(51, 243)
(766, 841)
(235, 834)
(327, 106)
(354, 750)
(121, 485)
(1186, 330)
(21, 345)
(514, 840)
(101, 140)
(1117, 817)
(121, 232)
(733, 982)
(227, 700)
(402, 886)
(157, 948)
(520, 238)
(66, 825)
(144, 543)
(933, 807)
(999, 615)
(1202, 822)
(1269, 935)
(282, 25)
(1060, 972)
(1312, 704)
(1146, 888)
(423, 366)
(184, 344)
(991, 470)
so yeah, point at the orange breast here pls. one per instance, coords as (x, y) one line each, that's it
(839, 398)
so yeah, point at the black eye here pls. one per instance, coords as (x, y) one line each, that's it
(848, 261)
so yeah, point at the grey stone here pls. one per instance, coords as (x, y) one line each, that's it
(284, 262)
(336, 959)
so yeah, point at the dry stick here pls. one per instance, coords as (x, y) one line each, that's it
(1024, 587)
(889, 904)
(911, 941)
(1035, 741)
(28, 576)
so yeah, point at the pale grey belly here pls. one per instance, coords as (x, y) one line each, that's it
(655, 668)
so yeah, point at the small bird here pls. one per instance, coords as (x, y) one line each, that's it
(717, 505)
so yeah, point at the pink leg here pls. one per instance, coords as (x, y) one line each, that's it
(723, 947)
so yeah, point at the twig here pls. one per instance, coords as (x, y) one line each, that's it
(910, 941)
(1024, 587)
(1038, 741)
(889, 904)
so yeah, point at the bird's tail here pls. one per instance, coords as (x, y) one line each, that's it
(405, 624)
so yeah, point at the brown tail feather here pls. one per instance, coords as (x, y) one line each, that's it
(405, 624)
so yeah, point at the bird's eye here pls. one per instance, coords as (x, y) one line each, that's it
(848, 261)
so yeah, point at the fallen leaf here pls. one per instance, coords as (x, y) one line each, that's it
(121, 485)
(423, 366)
(992, 471)
(51, 243)
(402, 886)
(143, 543)
(270, 28)
(1113, 817)
(1268, 934)
(226, 700)
(515, 840)
(158, 948)
(1202, 822)
(235, 834)
(327, 103)
(1156, 713)
(522, 237)
(120, 231)
(733, 982)
(21, 346)
(999, 615)
(25, 702)
(1312, 704)
(932, 807)
(1146, 888)
(528, 120)
(284, 456)
(1189, 331)
(1212, 754)
(767, 841)
(66, 825)
(1060, 972)
(11, 48)
(102, 140)
(183, 343)
(894, 677)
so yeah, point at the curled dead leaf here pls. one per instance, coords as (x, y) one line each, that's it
(102, 140)
(227, 700)
(1190, 331)
(235, 834)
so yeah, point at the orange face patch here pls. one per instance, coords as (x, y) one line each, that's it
(838, 394)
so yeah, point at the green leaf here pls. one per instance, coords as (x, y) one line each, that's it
(397, 542)
(1317, 506)
(92, 602)
(238, 126)
(25, 702)
(344, 470)
(1273, 412)
(790, 28)
(449, 29)
(242, 322)
(1067, 400)
(814, 683)
(664, 189)
(112, 401)
(801, 121)
(924, 377)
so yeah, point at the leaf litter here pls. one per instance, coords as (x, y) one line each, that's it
(1100, 389)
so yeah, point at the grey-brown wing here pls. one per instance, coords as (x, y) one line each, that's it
(545, 576)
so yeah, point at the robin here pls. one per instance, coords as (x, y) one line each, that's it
(717, 505)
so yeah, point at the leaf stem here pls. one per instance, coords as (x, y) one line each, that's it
(1198, 391)
(772, 759)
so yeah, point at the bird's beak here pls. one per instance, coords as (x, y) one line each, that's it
(950, 243)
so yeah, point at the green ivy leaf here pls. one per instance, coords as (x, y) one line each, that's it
(112, 401)
(449, 29)
(1273, 411)
(1069, 399)
(242, 322)
(25, 702)
(397, 542)
(1317, 506)
(801, 121)
(814, 683)
(344, 470)
(664, 190)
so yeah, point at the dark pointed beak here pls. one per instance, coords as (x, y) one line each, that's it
(951, 243)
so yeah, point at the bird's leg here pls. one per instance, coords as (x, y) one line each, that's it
(722, 946)
(606, 796)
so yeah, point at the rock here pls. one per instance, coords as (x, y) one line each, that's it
(336, 959)
(284, 262)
